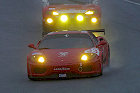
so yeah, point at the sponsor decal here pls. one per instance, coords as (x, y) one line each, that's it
(62, 54)
(72, 11)
(93, 50)
(63, 68)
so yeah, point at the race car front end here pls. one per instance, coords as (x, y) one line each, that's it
(46, 65)
(71, 19)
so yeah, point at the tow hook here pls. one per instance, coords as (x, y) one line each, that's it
(80, 67)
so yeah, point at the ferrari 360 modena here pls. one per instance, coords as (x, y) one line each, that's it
(61, 15)
(68, 54)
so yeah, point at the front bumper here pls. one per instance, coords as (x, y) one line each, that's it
(75, 70)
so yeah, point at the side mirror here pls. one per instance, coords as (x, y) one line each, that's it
(101, 43)
(31, 46)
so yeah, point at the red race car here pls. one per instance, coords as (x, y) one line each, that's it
(61, 15)
(68, 54)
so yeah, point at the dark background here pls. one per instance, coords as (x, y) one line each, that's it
(20, 24)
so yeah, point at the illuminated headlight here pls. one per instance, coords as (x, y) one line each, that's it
(55, 13)
(84, 57)
(49, 20)
(89, 12)
(80, 18)
(64, 18)
(41, 59)
(94, 20)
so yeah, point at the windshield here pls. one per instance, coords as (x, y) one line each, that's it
(51, 2)
(63, 41)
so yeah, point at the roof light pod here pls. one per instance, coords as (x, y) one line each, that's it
(89, 12)
(55, 13)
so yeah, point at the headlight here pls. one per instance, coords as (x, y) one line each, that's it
(94, 20)
(88, 56)
(55, 13)
(89, 12)
(80, 18)
(64, 18)
(49, 20)
(84, 57)
(38, 58)
(41, 59)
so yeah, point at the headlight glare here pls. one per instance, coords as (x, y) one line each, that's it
(94, 20)
(41, 59)
(64, 18)
(80, 18)
(84, 57)
(49, 20)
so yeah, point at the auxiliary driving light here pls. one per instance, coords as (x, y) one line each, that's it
(55, 13)
(80, 18)
(49, 20)
(94, 20)
(84, 58)
(64, 18)
(41, 59)
(89, 12)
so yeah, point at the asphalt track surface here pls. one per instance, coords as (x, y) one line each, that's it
(20, 24)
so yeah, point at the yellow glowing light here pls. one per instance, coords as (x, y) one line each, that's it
(94, 20)
(84, 58)
(80, 18)
(49, 20)
(89, 12)
(64, 18)
(41, 59)
(55, 13)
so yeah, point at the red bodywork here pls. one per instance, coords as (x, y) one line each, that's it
(69, 64)
(72, 23)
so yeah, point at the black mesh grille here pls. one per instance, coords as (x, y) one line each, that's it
(40, 70)
(87, 68)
